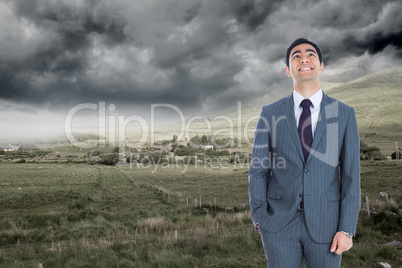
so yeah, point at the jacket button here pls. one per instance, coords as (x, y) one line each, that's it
(305, 170)
(300, 195)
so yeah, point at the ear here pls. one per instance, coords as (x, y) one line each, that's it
(288, 71)
(322, 67)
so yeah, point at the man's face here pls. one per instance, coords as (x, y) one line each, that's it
(304, 63)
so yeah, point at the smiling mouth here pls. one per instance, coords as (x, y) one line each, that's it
(305, 69)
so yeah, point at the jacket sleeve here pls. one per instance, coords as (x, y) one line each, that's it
(350, 177)
(259, 168)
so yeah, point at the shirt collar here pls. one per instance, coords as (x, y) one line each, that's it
(315, 99)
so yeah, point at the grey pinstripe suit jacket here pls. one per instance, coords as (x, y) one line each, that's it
(329, 179)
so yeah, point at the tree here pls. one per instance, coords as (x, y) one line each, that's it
(370, 152)
(204, 140)
(196, 140)
(174, 143)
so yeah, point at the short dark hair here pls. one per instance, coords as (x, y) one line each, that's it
(302, 41)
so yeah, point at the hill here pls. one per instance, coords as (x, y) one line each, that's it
(377, 99)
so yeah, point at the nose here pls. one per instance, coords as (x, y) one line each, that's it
(304, 60)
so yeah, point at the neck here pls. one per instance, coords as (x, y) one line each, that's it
(307, 89)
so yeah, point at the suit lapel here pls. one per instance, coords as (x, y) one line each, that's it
(288, 110)
(321, 125)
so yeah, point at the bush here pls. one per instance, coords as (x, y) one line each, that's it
(387, 224)
(196, 140)
(189, 160)
(387, 253)
(210, 152)
(393, 156)
(109, 159)
(370, 152)
(225, 143)
(376, 155)
(183, 151)
(96, 152)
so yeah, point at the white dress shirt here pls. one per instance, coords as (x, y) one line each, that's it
(314, 108)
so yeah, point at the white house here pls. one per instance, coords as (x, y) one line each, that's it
(9, 148)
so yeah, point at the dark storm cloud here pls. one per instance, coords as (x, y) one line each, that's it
(73, 22)
(376, 26)
(78, 30)
(253, 13)
(193, 53)
(63, 56)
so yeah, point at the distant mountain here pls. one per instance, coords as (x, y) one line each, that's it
(346, 73)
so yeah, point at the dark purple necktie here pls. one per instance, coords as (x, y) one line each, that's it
(305, 132)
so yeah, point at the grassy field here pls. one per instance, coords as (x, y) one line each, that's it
(80, 215)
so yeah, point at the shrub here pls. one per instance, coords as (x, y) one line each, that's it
(96, 152)
(370, 152)
(393, 156)
(376, 155)
(109, 159)
(388, 253)
(183, 151)
(387, 224)
(189, 160)
(196, 140)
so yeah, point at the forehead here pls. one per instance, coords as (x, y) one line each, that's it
(303, 48)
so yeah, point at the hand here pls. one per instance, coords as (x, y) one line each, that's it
(341, 243)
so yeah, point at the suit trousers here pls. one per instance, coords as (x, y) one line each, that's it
(286, 248)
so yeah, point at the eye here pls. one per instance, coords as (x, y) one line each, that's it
(296, 56)
(311, 54)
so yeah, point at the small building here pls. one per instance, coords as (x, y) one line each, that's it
(208, 146)
(9, 148)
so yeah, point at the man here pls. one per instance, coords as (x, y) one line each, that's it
(308, 206)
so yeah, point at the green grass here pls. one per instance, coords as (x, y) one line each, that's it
(377, 100)
(381, 176)
(223, 185)
(80, 215)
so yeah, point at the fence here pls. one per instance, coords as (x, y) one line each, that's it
(176, 235)
(173, 197)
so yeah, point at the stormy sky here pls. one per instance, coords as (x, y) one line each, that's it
(196, 55)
